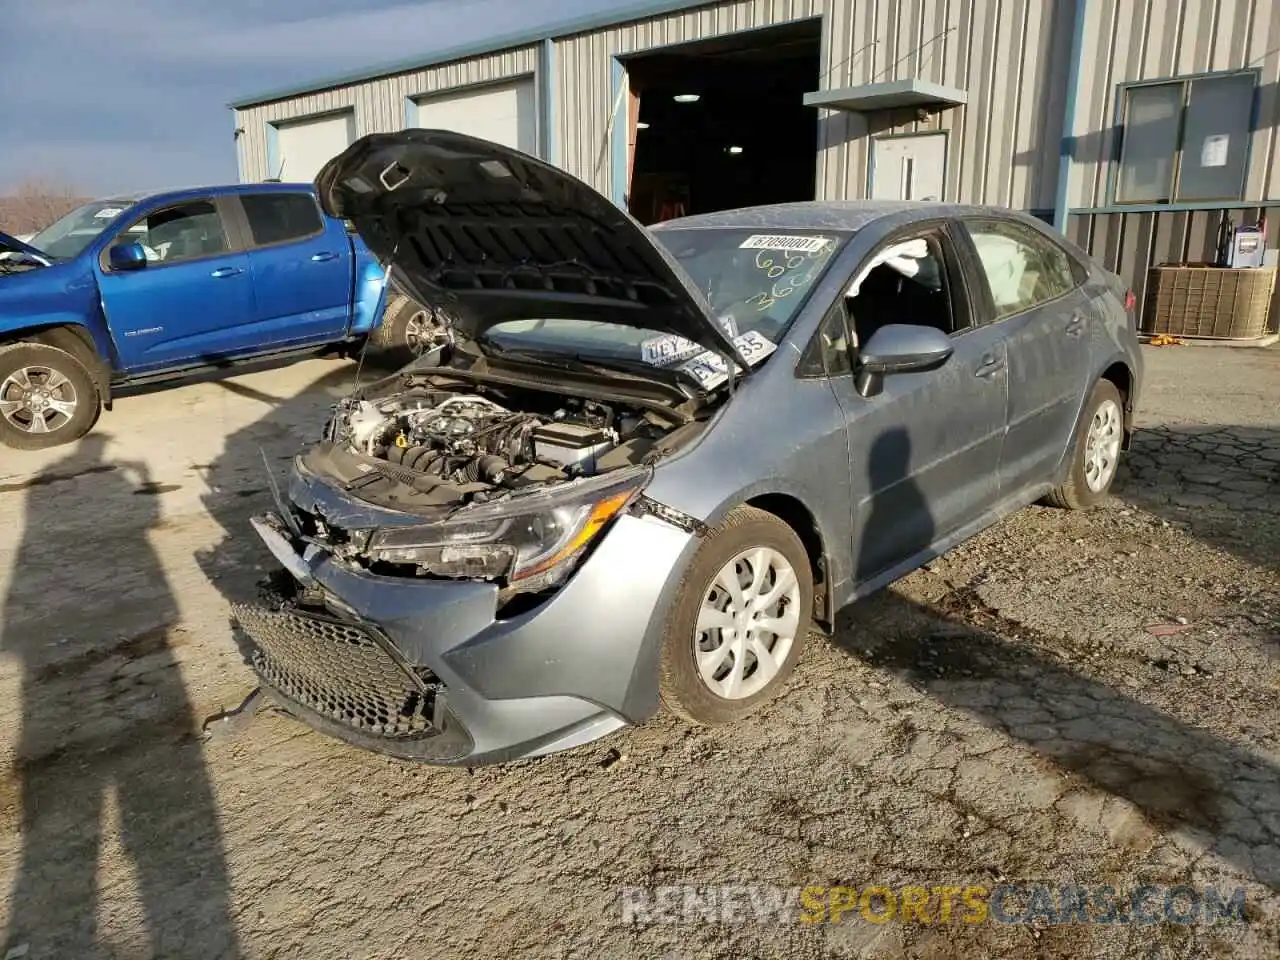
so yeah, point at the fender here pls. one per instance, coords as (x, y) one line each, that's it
(60, 306)
(369, 294)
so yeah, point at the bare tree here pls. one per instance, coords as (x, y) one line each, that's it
(35, 204)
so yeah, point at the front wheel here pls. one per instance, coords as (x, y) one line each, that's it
(1095, 454)
(47, 397)
(739, 620)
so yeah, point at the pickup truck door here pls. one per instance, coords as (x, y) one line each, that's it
(193, 300)
(302, 265)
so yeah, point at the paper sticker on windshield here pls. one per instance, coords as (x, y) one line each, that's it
(664, 351)
(787, 244)
(108, 213)
(710, 369)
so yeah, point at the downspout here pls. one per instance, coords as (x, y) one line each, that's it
(1067, 147)
(547, 96)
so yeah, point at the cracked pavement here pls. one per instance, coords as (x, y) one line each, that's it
(1084, 698)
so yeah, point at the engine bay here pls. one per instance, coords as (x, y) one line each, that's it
(465, 447)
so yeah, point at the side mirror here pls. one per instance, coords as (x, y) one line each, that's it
(127, 255)
(900, 348)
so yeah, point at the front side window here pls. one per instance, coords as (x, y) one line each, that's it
(1185, 141)
(905, 282)
(281, 217)
(1022, 267)
(185, 231)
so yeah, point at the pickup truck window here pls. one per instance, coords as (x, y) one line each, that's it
(185, 231)
(281, 217)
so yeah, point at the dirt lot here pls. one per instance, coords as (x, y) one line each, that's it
(1005, 716)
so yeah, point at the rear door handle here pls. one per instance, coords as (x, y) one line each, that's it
(1075, 326)
(226, 272)
(990, 366)
(322, 257)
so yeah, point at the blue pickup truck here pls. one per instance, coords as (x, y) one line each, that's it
(154, 287)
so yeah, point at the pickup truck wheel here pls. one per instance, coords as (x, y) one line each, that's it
(408, 330)
(47, 397)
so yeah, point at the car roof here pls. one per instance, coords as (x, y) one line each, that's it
(832, 214)
(179, 193)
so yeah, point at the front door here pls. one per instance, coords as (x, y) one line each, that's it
(909, 167)
(191, 301)
(925, 452)
(1037, 297)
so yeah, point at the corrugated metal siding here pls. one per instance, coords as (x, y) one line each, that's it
(585, 104)
(1153, 39)
(1010, 56)
(379, 104)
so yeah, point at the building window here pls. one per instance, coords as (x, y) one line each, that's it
(1185, 141)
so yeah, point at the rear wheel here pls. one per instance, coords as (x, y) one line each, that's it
(47, 397)
(407, 331)
(1095, 454)
(739, 621)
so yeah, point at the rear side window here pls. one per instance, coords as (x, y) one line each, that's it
(1022, 267)
(281, 217)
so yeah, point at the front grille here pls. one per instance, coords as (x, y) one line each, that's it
(338, 670)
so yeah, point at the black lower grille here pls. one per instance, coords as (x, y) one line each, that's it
(339, 670)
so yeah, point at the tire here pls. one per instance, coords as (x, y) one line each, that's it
(681, 685)
(1077, 492)
(395, 340)
(35, 364)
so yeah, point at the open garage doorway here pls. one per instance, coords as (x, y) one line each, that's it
(721, 123)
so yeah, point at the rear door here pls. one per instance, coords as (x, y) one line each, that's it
(1033, 289)
(193, 301)
(301, 263)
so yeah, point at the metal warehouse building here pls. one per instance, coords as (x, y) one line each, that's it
(1137, 126)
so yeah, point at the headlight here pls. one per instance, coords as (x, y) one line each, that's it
(532, 543)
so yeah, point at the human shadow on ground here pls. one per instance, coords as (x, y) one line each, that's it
(105, 716)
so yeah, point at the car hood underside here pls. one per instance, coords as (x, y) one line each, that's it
(492, 235)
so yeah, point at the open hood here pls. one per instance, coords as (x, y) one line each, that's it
(10, 244)
(491, 234)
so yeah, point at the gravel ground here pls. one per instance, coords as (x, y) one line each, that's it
(1067, 699)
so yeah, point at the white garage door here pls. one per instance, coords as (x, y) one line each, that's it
(505, 114)
(304, 146)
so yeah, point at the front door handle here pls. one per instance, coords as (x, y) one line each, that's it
(322, 257)
(226, 272)
(989, 367)
(1075, 326)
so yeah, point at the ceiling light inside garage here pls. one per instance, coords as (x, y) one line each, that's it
(686, 98)
(735, 149)
(642, 126)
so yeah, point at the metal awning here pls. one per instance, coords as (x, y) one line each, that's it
(887, 96)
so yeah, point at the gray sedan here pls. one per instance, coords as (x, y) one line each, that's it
(653, 461)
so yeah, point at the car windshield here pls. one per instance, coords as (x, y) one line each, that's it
(754, 281)
(68, 236)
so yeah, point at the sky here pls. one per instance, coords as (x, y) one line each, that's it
(119, 95)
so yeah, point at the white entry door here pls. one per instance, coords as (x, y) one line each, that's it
(912, 167)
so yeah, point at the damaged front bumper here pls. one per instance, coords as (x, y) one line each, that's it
(431, 670)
